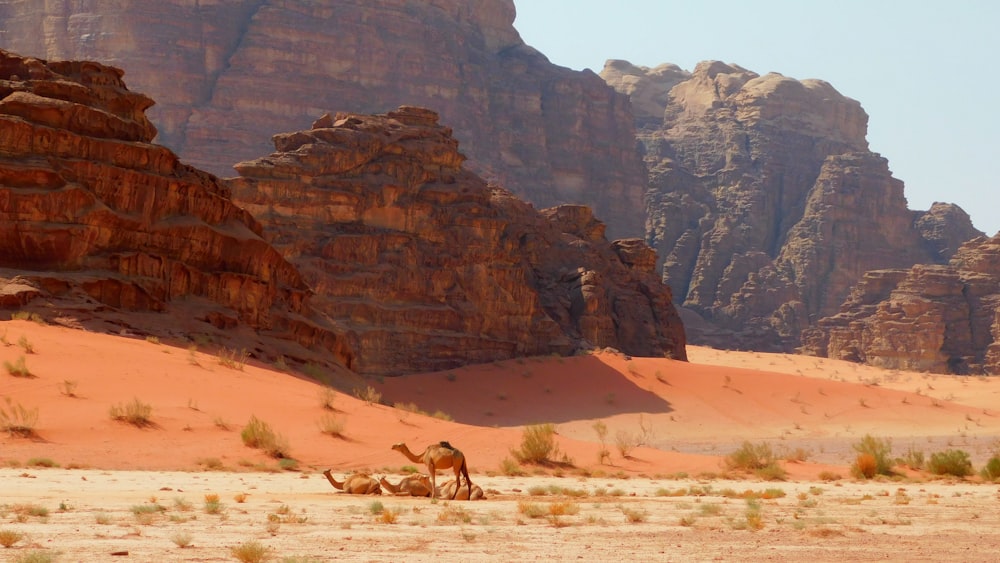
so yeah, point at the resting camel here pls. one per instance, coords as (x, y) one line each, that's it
(355, 484)
(411, 486)
(448, 488)
(439, 456)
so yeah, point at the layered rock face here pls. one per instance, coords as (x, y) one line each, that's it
(230, 73)
(94, 218)
(425, 266)
(765, 203)
(936, 318)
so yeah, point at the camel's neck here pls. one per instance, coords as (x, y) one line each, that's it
(336, 485)
(412, 456)
(389, 486)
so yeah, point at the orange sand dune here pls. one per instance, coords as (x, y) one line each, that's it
(694, 413)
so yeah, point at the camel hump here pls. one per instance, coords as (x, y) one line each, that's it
(445, 444)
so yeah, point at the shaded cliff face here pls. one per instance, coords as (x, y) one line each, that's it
(96, 220)
(765, 203)
(425, 266)
(230, 73)
(937, 318)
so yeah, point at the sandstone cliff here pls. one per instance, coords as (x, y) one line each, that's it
(766, 204)
(937, 318)
(96, 221)
(230, 73)
(424, 266)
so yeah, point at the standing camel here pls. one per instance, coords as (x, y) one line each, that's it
(439, 456)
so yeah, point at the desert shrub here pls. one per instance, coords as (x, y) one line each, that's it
(538, 444)
(326, 397)
(233, 359)
(19, 368)
(511, 468)
(914, 459)
(258, 434)
(16, 419)
(369, 395)
(624, 442)
(136, 413)
(865, 466)
(991, 471)
(181, 538)
(758, 459)
(36, 556)
(251, 552)
(332, 425)
(10, 537)
(878, 448)
(41, 462)
(950, 462)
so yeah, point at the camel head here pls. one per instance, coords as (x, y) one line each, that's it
(398, 446)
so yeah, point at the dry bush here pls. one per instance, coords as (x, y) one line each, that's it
(251, 552)
(864, 466)
(233, 359)
(9, 537)
(538, 444)
(18, 420)
(136, 413)
(258, 434)
(19, 368)
(332, 425)
(369, 395)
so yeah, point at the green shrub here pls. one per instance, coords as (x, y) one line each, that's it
(759, 459)
(538, 444)
(950, 462)
(991, 471)
(880, 449)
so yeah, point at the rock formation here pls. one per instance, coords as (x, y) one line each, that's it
(936, 318)
(230, 73)
(766, 204)
(425, 266)
(95, 219)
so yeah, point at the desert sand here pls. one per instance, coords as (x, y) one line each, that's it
(669, 499)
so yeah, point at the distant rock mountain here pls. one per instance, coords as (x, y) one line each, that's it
(425, 266)
(96, 222)
(937, 318)
(230, 73)
(765, 203)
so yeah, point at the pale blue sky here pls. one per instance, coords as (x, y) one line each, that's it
(924, 71)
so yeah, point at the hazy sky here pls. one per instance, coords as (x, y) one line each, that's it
(924, 71)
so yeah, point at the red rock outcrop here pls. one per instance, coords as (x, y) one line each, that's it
(936, 318)
(765, 203)
(424, 266)
(97, 220)
(230, 73)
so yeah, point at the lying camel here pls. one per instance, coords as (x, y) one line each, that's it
(411, 486)
(355, 484)
(448, 488)
(439, 456)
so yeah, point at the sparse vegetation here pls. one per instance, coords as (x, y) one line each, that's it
(326, 398)
(181, 538)
(136, 413)
(258, 434)
(538, 444)
(602, 434)
(950, 462)
(26, 345)
(18, 420)
(36, 556)
(68, 387)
